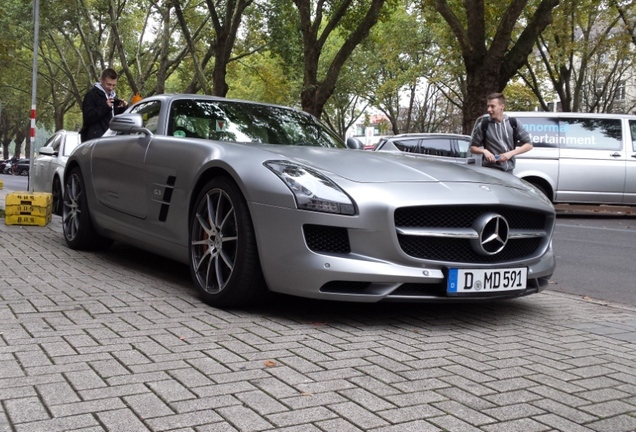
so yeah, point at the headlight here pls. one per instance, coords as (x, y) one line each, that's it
(312, 190)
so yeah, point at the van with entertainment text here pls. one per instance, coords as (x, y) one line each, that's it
(580, 157)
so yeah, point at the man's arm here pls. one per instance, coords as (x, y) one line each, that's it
(477, 142)
(121, 108)
(483, 151)
(516, 151)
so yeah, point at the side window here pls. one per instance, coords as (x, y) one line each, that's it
(464, 147)
(544, 131)
(436, 147)
(591, 134)
(632, 127)
(189, 119)
(54, 142)
(407, 145)
(72, 141)
(150, 113)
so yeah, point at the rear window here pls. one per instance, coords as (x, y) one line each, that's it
(437, 147)
(407, 145)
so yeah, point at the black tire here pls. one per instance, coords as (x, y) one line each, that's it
(224, 261)
(542, 190)
(79, 232)
(56, 192)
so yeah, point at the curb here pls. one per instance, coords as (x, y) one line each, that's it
(595, 210)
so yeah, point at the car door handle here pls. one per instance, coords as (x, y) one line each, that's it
(634, 155)
(616, 154)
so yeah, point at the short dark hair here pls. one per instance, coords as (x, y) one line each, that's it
(499, 96)
(109, 73)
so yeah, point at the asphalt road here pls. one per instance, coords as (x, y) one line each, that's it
(13, 183)
(595, 257)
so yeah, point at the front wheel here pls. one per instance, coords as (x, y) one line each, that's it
(57, 196)
(224, 261)
(79, 232)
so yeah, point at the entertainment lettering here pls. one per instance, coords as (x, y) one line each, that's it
(577, 133)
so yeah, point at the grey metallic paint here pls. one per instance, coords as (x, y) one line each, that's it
(128, 177)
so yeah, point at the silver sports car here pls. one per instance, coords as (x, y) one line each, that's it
(256, 197)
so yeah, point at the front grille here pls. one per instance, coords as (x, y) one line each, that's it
(464, 216)
(327, 239)
(460, 250)
(453, 247)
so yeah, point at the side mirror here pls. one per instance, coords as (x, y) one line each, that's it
(47, 151)
(354, 143)
(128, 123)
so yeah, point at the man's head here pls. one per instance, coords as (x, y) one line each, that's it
(108, 79)
(496, 105)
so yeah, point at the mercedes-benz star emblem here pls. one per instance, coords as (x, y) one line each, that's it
(492, 230)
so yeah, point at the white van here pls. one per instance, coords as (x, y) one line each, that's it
(580, 157)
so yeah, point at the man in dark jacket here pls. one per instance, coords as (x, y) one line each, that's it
(100, 105)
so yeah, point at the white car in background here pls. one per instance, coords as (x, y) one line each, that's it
(48, 167)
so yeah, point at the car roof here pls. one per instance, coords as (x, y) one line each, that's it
(168, 97)
(551, 114)
(429, 135)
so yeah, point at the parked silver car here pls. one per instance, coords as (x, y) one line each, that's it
(442, 146)
(48, 167)
(254, 196)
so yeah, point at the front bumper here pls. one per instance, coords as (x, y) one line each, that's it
(373, 268)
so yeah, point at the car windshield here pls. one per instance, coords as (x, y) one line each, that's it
(246, 122)
(72, 141)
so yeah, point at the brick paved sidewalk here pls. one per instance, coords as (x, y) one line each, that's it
(119, 341)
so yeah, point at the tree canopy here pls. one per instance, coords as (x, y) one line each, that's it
(426, 65)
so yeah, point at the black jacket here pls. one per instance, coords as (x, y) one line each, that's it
(96, 114)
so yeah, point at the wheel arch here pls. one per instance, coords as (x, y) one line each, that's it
(58, 201)
(59, 177)
(67, 170)
(203, 179)
(542, 184)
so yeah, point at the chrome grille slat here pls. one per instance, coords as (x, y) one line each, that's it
(463, 232)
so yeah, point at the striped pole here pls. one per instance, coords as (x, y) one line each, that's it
(32, 124)
(36, 34)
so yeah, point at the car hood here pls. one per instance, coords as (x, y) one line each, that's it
(371, 167)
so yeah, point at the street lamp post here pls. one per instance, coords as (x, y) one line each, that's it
(36, 31)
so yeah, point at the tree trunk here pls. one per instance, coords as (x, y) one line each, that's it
(479, 84)
(488, 68)
(315, 92)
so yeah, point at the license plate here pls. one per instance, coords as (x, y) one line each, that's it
(472, 281)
